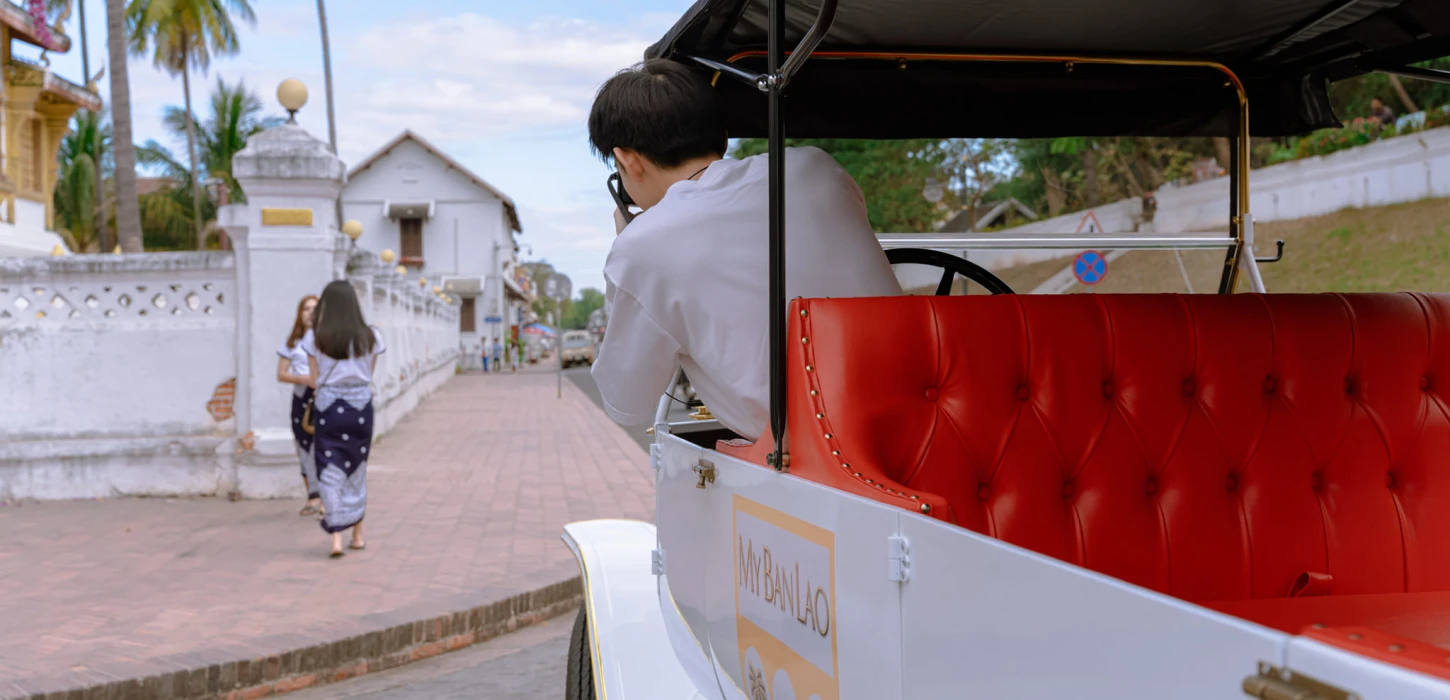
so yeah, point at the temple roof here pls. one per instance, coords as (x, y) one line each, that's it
(52, 86)
(26, 29)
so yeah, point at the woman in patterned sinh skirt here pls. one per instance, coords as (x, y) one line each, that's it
(294, 369)
(343, 351)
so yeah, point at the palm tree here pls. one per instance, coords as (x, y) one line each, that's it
(181, 35)
(236, 114)
(327, 73)
(60, 10)
(128, 209)
(83, 159)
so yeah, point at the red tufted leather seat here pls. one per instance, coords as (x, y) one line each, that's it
(1209, 447)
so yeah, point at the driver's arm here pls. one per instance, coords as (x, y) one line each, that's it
(636, 361)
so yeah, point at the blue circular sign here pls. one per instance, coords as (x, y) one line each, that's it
(1090, 267)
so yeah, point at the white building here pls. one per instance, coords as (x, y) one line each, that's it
(447, 226)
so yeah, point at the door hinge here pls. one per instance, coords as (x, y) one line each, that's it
(657, 562)
(898, 559)
(706, 471)
(654, 456)
(1274, 683)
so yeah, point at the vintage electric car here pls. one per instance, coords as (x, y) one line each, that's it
(1083, 496)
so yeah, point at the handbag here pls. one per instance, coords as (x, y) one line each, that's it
(307, 426)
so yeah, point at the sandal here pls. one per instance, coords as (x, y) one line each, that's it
(357, 545)
(309, 509)
(336, 554)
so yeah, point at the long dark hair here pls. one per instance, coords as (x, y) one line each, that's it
(338, 327)
(299, 326)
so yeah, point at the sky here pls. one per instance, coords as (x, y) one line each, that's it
(502, 86)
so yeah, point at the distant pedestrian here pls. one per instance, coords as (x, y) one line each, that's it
(1381, 112)
(497, 355)
(518, 357)
(293, 368)
(343, 351)
(485, 357)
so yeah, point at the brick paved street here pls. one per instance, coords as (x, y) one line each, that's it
(466, 501)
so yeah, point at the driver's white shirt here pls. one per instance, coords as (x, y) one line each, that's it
(687, 284)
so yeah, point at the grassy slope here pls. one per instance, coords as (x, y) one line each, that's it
(1392, 248)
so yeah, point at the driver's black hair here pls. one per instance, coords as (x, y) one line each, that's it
(660, 109)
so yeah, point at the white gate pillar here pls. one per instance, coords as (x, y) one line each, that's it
(286, 248)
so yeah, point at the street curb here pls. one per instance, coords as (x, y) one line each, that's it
(329, 662)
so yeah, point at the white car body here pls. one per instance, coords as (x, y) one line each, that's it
(901, 606)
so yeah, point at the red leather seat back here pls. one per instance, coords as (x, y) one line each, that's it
(1210, 447)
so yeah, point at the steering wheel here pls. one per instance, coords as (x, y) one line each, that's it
(951, 266)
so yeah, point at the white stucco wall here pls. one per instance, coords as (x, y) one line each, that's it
(107, 356)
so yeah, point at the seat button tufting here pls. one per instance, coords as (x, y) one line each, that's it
(1349, 385)
(1232, 482)
(1152, 486)
(1188, 387)
(984, 492)
(1390, 479)
(1108, 388)
(932, 394)
(1022, 393)
(1067, 489)
(1425, 383)
(1316, 481)
(1270, 385)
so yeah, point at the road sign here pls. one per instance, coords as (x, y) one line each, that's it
(1090, 267)
(558, 287)
(493, 319)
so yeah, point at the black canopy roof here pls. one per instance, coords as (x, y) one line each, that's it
(1284, 51)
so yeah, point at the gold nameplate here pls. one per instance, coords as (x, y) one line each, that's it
(286, 217)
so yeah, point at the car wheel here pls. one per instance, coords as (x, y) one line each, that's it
(579, 678)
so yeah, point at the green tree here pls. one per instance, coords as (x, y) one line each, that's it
(577, 316)
(236, 114)
(891, 175)
(166, 214)
(182, 35)
(84, 157)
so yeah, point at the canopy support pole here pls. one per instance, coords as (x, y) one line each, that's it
(1430, 74)
(779, 72)
(776, 150)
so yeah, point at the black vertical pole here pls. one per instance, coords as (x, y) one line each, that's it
(776, 51)
(1232, 257)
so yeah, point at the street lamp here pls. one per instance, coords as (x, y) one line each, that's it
(401, 270)
(292, 94)
(353, 229)
(387, 256)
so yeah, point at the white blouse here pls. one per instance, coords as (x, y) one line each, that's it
(295, 356)
(353, 370)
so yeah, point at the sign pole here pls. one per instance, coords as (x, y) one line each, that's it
(559, 288)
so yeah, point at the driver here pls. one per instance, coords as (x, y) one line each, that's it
(686, 279)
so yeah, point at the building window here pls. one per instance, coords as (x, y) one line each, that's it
(411, 244)
(30, 156)
(466, 316)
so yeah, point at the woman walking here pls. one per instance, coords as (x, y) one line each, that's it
(343, 351)
(294, 369)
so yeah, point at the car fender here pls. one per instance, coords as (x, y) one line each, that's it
(631, 651)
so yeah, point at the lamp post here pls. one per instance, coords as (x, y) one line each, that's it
(353, 229)
(292, 94)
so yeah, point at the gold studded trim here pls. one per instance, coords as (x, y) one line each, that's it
(911, 500)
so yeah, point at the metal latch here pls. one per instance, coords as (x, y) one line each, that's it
(898, 559)
(654, 457)
(706, 472)
(657, 562)
(1273, 683)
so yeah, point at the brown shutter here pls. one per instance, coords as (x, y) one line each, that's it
(465, 316)
(411, 244)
